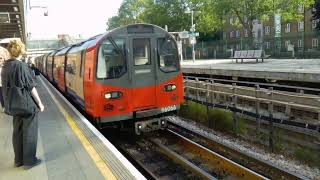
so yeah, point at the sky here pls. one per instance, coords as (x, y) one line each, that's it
(74, 17)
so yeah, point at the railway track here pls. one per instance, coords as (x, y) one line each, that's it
(178, 153)
(168, 155)
(152, 162)
(200, 160)
(263, 168)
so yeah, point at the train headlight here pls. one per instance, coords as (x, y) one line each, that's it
(170, 87)
(113, 95)
(107, 96)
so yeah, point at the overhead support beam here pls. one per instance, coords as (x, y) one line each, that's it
(9, 24)
(14, 13)
(13, 30)
(22, 17)
(10, 30)
(13, 4)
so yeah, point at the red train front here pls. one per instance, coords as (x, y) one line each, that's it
(128, 73)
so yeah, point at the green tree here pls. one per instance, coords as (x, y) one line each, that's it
(207, 19)
(129, 12)
(159, 12)
(168, 12)
(261, 10)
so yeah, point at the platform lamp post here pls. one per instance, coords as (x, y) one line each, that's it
(45, 9)
(277, 31)
(304, 31)
(192, 30)
(45, 13)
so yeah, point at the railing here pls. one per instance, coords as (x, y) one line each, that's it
(275, 106)
(298, 89)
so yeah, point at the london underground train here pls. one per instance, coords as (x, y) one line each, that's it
(129, 73)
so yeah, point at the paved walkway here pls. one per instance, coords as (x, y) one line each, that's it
(65, 154)
(303, 70)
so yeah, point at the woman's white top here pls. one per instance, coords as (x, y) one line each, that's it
(0, 76)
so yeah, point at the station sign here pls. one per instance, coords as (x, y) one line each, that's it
(194, 34)
(184, 34)
(277, 23)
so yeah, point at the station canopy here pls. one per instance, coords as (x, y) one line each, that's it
(12, 19)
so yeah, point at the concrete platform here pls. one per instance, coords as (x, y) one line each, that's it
(68, 146)
(304, 70)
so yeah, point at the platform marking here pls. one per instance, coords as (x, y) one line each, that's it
(105, 141)
(103, 168)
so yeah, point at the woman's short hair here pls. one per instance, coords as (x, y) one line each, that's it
(16, 48)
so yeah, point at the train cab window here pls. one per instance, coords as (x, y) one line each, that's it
(168, 55)
(111, 59)
(141, 52)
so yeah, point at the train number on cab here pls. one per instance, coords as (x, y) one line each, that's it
(169, 108)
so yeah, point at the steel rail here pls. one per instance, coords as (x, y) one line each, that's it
(222, 165)
(182, 161)
(274, 170)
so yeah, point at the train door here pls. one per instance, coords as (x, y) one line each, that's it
(143, 73)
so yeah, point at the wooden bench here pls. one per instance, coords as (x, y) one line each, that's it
(249, 54)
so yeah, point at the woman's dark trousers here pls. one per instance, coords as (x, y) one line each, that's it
(24, 139)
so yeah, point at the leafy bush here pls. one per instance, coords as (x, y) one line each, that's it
(307, 156)
(217, 119)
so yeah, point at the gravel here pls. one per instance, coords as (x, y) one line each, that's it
(290, 165)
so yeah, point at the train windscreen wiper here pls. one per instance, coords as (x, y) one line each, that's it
(164, 49)
(119, 50)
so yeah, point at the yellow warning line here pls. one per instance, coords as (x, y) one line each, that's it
(103, 168)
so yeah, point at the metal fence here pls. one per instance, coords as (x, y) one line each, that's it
(303, 45)
(50, 43)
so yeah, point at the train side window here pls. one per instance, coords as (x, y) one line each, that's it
(168, 55)
(71, 64)
(111, 60)
(141, 52)
(83, 53)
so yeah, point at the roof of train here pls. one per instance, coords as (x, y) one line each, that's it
(128, 29)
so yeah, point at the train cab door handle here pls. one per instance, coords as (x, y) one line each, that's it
(89, 73)
(155, 64)
(130, 67)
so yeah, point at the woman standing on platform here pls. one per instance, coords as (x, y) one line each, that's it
(16, 78)
(4, 54)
